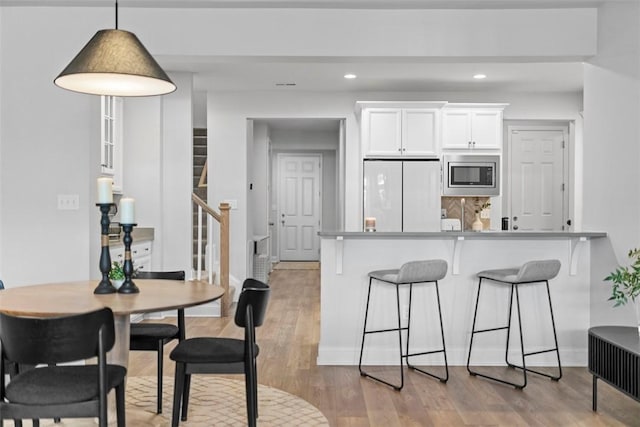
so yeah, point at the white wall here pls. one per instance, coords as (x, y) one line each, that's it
(1, 198)
(49, 141)
(142, 164)
(379, 33)
(258, 179)
(177, 175)
(612, 151)
(228, 112)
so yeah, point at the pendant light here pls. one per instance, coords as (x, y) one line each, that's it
(115, 62)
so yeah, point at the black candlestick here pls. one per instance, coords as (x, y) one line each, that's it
(128, 287)
(105, 286)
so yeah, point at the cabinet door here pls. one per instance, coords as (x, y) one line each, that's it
(383, 194)
(142, 263)
(382, 131)
(486, 129)
(117, 253)
(420, 132)
(456, 126)
(421, 196)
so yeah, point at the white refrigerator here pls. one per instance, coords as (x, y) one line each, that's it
(402, 195)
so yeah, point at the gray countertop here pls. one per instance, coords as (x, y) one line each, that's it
(490, 235)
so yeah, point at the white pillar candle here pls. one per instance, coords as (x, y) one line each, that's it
(127, 211)
(105, 190)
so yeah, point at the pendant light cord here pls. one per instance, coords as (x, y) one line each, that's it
(116, 14)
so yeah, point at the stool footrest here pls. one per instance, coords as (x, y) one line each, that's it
(385, 330)
(489, 330)
(540, 352)
(423, 353)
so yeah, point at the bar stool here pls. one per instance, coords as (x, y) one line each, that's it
(530, 273)
(409, 273)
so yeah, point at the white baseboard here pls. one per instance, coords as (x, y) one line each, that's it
(455, 357)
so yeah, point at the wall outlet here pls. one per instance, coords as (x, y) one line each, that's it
(485, 214)
(68, 202)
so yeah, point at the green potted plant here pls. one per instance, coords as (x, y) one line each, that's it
(116, 274)
(626, 284)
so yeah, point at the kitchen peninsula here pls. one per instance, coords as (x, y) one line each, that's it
(347, 257)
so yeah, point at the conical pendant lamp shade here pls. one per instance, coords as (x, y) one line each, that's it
(114, 62)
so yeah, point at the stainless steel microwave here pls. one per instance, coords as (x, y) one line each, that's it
(471, 175)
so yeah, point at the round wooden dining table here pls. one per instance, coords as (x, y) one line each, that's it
(59, 299)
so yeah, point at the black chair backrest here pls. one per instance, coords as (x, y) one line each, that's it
(163, 275)
(56, 340)
(255, 294)
(1, 284)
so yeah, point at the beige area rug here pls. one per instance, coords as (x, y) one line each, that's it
(297, 265)
(213, 401)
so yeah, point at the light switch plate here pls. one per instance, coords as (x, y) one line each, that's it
(68, 202)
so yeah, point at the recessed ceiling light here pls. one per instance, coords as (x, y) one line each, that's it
(480, 76)
(350, 76)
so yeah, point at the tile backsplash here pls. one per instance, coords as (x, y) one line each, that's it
(452, 205)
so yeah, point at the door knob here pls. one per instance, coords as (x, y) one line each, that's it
(515, 227)
(515, 218)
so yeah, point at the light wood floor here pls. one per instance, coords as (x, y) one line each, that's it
(288, 344)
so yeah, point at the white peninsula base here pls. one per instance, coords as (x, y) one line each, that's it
(347, 257)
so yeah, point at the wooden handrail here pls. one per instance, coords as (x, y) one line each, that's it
(223, 220)
(205, 207)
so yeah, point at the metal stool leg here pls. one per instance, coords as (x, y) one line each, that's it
(443, 350)
(556, 348)
(555, 336)
(473, 327)
(508, 328)
(365, 332)
(364, 328)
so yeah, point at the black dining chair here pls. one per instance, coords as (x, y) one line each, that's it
(212, 355)
(148, 336)
(54, 391)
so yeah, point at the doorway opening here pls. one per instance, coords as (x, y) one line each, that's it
(295, 175)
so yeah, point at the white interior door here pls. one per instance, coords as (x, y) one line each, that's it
(299, 187)
(537, 180)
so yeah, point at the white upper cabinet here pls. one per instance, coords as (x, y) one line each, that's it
(472, 126)
(397, 131)
(382, 131)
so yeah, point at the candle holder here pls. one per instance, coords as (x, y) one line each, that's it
(105, 286)
(128, 287)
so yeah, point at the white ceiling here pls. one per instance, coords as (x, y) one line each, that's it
(382, 77)
(326, 74)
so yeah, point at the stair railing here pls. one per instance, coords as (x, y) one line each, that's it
(223, 220)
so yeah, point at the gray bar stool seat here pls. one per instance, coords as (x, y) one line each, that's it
(532, 272)
(410, 273)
